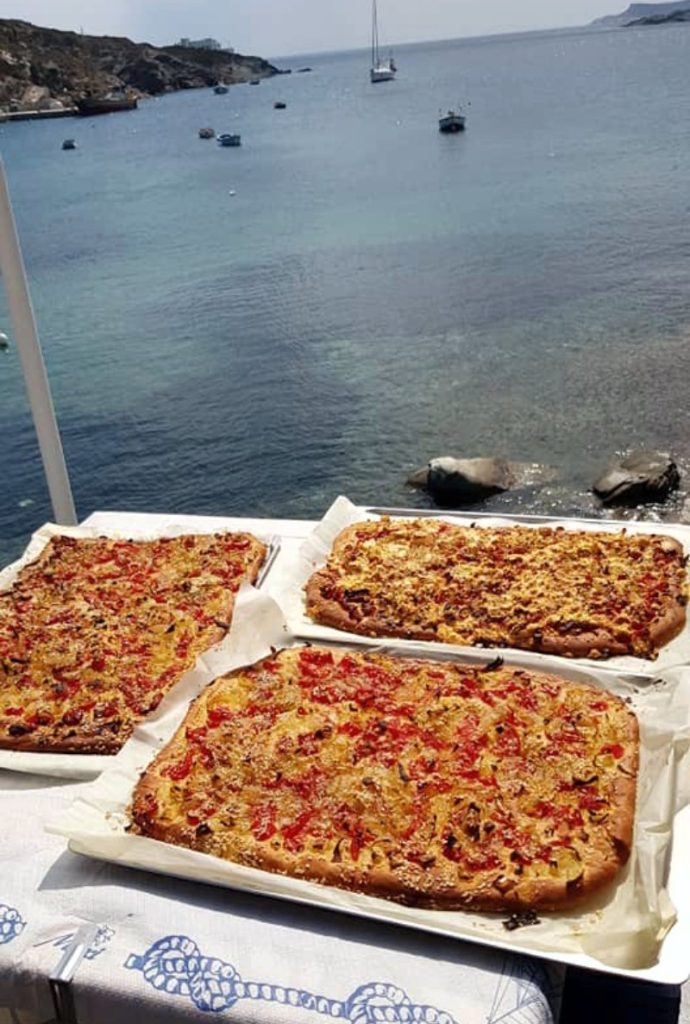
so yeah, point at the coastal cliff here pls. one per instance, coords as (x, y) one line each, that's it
(43, 68)
(662, 19)
(647, 14)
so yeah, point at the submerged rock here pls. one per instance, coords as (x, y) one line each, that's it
(420, 478)
(636, 478)
(470, 480)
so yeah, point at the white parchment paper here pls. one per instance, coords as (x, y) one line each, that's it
(622, 930)
(88, 766)
(315, 550)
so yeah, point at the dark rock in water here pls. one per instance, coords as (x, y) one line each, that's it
(636, 478)
(468, 480)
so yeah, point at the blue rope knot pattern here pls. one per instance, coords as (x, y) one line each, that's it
(174, 965)
(100, 943)
(11, 924)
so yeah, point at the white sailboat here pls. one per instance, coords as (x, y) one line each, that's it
(381, 71)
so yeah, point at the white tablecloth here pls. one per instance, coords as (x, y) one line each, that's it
(169, 950)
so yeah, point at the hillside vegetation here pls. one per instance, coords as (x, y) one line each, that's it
(43, 67)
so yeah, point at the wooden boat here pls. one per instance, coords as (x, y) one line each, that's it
(111, 104)
(207, 133)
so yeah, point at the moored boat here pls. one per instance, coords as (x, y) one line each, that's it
(207, 133)
(381, 70)
(229, 139)
(110, 104)
(220, 90)
(69, 144)
(279, 105)
(451, 123)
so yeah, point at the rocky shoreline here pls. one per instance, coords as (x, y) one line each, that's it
(45, 70)
(631, 480)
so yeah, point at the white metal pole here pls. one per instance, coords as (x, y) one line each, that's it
(33, 366)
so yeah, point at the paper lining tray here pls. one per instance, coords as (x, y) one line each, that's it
(628, 930)
(88, 766)
(314, 551)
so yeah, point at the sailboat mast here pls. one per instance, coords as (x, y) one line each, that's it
(374, 36)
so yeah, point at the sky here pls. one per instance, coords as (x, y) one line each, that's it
(283, 27)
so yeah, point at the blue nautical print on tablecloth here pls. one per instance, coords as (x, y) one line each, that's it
(98, 946)
(11, 924)
(174, 965)
(521, 994)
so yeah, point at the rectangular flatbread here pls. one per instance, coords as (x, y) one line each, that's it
(571, 593)
(94, 632)
(431, 783)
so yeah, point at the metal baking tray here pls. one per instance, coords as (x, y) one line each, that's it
(89, 766)
(95, 826)
(317, 545)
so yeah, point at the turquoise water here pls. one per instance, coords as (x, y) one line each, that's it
(374, 293)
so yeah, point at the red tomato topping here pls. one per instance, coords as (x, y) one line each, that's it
(310, 660)
(73, 717)
(217, 715)
(292, 834)
(590, 802)
(181, 769)
(613, 748)
(350, 729)
(359, 841)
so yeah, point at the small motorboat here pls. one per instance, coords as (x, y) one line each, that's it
(69, 144)
(227, 139)
(207, 133)
(279, 105)
(220, 90)
(255, 81)
(451, 122)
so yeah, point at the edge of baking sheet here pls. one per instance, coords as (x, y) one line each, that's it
(83, 767)
(315, 549)
(95, 826)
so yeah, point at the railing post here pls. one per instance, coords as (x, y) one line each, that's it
(33, 366)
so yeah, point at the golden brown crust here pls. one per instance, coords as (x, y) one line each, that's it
(95, 631)
(45, 744)
(569, 593)
(433, 784)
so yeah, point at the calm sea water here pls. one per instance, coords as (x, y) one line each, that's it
(374, 293)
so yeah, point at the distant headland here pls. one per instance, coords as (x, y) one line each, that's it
(46, 69)
(647, 14)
